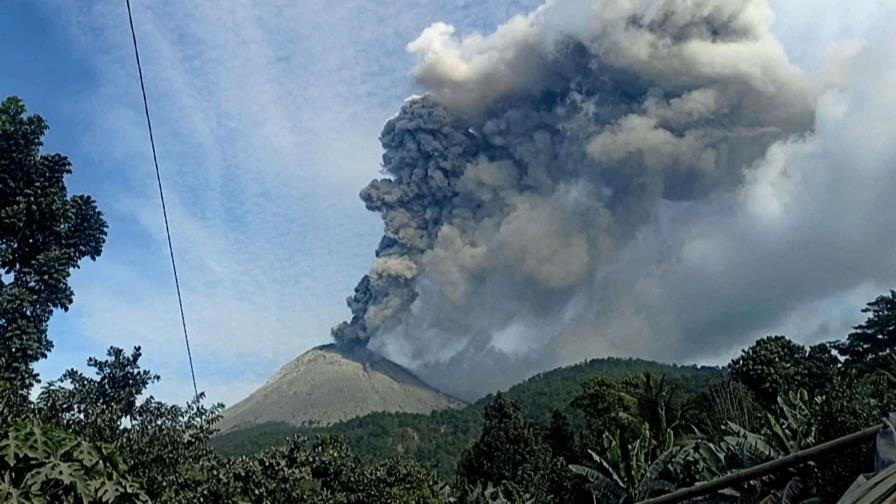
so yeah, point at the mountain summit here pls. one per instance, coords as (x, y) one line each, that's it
(331, 383)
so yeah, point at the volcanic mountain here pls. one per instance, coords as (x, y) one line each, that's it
(331, 383)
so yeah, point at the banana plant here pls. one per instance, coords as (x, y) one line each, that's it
(626, 472)
(794, 430)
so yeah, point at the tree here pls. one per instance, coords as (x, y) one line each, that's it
(560, 437)
(821, 366)
(162, 442)
(655, 402)
(96, 407)
(769, 365)
(873, 338)
(44, 234)
(603, 404)
(561, 440)
(507, 454)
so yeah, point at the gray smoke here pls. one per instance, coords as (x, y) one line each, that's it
(544, 149)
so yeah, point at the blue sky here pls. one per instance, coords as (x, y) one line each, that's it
(266, 116)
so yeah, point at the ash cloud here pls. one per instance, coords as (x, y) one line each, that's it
(539, 198)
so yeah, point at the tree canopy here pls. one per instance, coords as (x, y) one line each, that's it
(875, 337)
(44, 234)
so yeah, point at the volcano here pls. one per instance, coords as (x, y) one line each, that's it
(331, 383)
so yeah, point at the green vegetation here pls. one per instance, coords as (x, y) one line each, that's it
(606, 430)
(874, 339)
(509, 452)
(41, 463)
(44, 234)
(437, 440)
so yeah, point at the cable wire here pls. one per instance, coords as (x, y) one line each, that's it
(155, 161)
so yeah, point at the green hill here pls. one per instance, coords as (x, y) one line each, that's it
(438, 438)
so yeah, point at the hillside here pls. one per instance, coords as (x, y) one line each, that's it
(436, 439)
(328, 384)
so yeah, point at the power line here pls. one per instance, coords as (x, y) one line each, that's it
(155, 161)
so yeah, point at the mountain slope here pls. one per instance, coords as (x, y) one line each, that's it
(329, 384)
(540, 394)
(436, 439)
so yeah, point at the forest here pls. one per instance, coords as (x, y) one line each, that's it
(606, 430)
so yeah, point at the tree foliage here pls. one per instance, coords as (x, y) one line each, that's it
(162, 441)
(40, 464)
(508, 453)
(775, 362)
(44, 234)
(875, 337)
(96, 407)
(560, 437)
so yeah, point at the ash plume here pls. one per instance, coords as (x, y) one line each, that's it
(542, 150)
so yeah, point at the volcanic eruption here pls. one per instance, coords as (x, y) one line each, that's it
(536, 155)
(539, 151)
